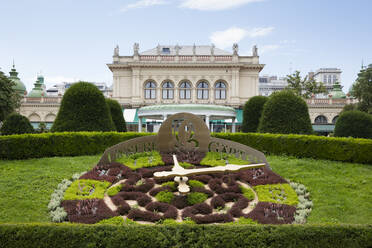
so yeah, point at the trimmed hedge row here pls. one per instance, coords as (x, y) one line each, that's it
(309, 146)
(26, 146)
(67, 235)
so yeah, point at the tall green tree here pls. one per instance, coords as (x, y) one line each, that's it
(117, 115)
(362, 90)
(9, 99)
(252, 113)
(304, 87)
(83, 108)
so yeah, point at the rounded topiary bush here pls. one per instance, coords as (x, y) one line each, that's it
(83, 108)
(284, 112)
(355, 124)
(16, 124)
(117, 115)
(252, 113)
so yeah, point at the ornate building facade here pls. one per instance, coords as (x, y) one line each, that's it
(184, 74)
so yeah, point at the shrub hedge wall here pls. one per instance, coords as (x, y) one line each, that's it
(68, 235)
(89, 143)
(60, 144)
(309, 146)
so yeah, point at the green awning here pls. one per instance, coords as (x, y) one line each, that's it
(239, 116)
(323, 128)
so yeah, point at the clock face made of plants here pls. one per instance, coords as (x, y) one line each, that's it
(130, 184)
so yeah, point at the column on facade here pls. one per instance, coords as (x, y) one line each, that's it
(139, 124)
(233, 125)
(207, 120)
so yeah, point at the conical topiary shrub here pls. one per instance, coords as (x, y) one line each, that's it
(16, 124)
(252, 113)
(285, 113)
(117, 115)
(83, 108)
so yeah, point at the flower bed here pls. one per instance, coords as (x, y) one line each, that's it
(255, 195)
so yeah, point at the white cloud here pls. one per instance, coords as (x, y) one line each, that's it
(257, 32)
(226, 38)
(59, 79)
(215, 4)
(143, 4)
(268, 48)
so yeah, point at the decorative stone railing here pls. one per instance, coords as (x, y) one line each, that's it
(330, 101)
(42, 100)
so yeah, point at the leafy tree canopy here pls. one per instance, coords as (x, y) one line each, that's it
(9, 99)
(304, 87)
(285, 112)
(83, 108)
(117, 115)
(362, 90)
(16, 124)
(252, 113)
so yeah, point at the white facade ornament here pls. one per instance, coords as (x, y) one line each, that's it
(235, 48)
(212, 49)
(116, 51)
(136, 49)
(194, 49)
(254, 51)
(158, 49)
(177, 48)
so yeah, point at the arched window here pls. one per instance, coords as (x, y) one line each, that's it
(150, 90)
(321, 119)
(203, 91)
(335, 119)
(220, 91)
(168, 89)
(185, 90)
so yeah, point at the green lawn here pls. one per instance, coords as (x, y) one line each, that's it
(341, 192)
(26, 185)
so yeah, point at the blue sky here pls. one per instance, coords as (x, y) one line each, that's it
(74, 39)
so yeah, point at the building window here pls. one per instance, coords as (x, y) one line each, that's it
(334, 78)
(185, 90)
(335, 119)
(325, 79)
(203, 91)
(150, 90)
(168, 89)
(321, 119)
(220, 91)
(166, 50)
(330, 79)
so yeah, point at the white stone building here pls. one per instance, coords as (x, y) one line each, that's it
(184, 74)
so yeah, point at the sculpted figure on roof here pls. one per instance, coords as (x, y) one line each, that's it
(136, 48)
(116, 50)
(235, 48)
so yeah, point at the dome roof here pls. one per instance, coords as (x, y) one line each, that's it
(337, 92)
(19, 87)
(37, 91)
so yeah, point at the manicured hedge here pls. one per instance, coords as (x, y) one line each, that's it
(67, 235)
(90, 143)
(310, 146)
(60, 144)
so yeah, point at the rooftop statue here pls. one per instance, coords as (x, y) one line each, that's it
(116, 51)
(136, 49)
(212, 49)
(235, 48)
(254, 51)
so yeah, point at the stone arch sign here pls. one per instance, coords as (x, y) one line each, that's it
(186, 136)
